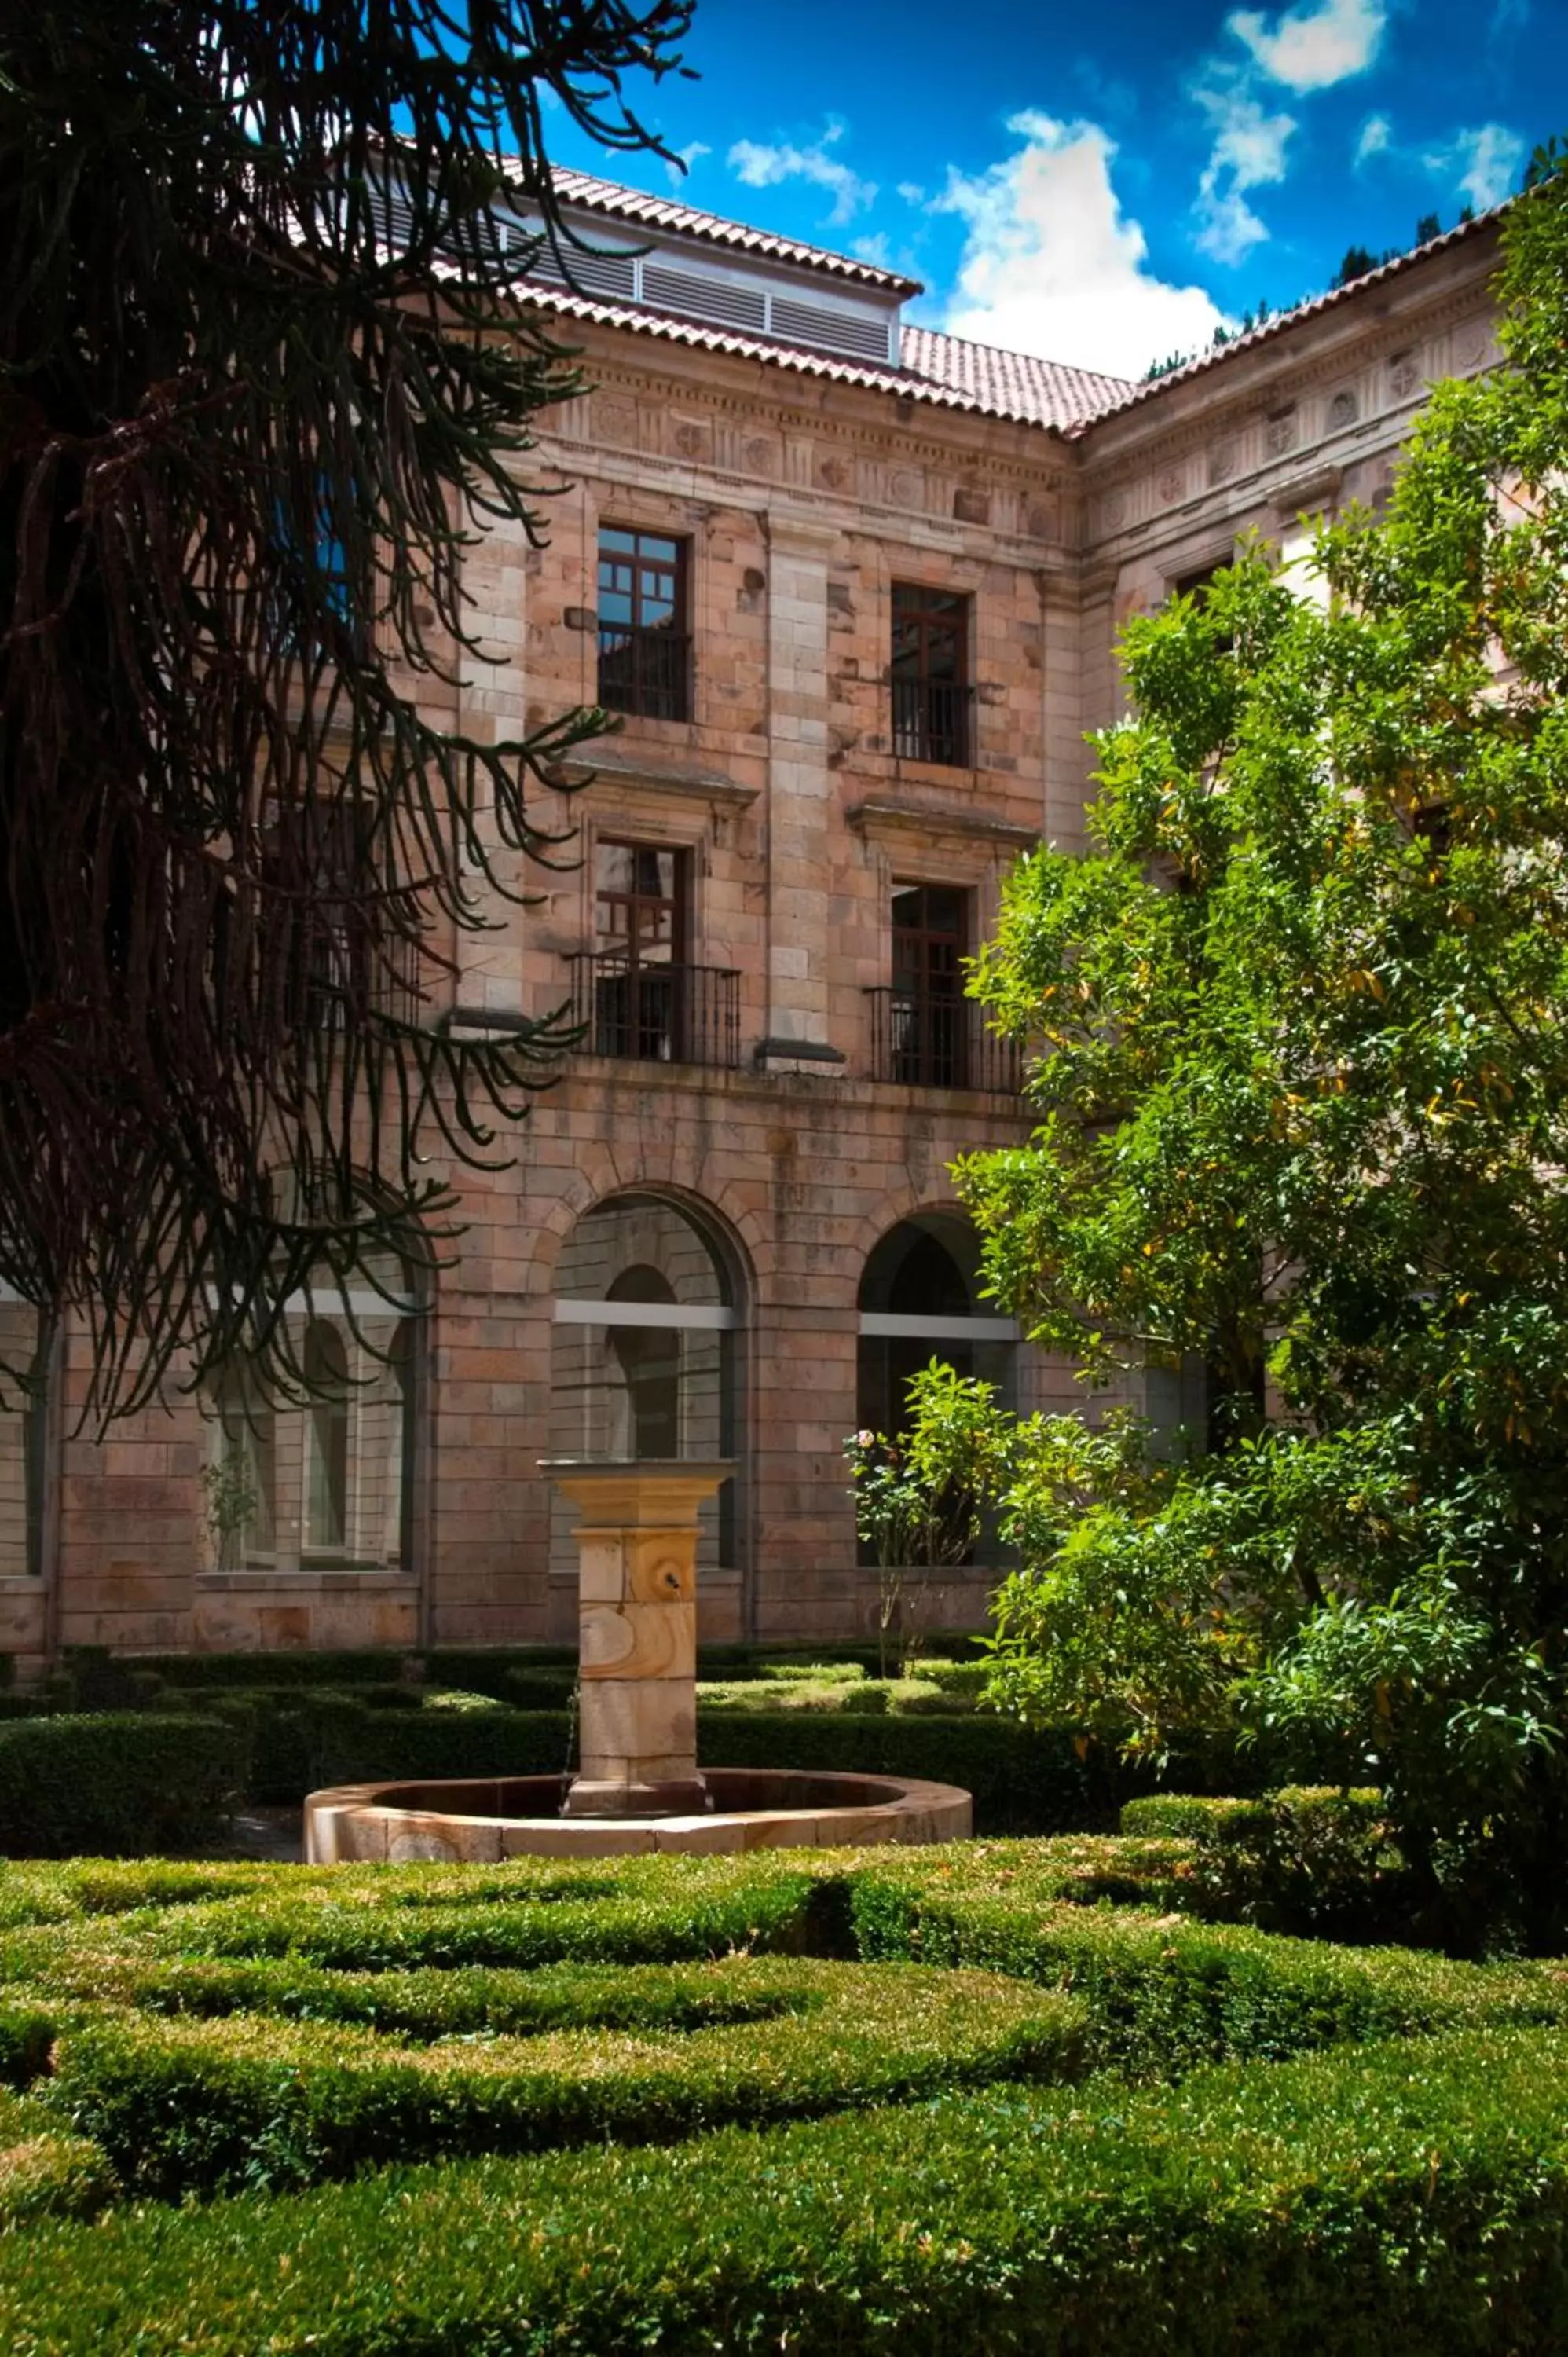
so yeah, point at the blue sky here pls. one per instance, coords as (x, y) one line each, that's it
(1104, 184)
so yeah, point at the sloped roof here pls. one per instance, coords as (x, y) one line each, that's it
(1011, 385)
(1311, 309)
(943, 370)
(630, 205)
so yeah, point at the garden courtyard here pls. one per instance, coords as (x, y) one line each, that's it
(1142, 2077)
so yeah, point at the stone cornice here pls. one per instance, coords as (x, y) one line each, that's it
(874, 816)
(689, 784)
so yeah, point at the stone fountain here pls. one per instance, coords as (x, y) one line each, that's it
(637, 1785)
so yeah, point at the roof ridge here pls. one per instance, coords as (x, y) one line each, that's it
(1308, 308)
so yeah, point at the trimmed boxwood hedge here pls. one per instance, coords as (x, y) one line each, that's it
(186, 2106)
(119, 1785)
(45, 2172)
(1395, 2201)
(1166, 1994)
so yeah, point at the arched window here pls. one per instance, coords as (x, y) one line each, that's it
(919, 1301)
(643, 1365)
(330, 1472)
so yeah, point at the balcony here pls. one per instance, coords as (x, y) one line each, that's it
(933, 1042)
(646, 673)
(933, 721)
(657, 1014)
(393, 979)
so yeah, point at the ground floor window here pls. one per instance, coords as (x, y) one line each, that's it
(325, 1478)
(919, 1301)
(643, 1364)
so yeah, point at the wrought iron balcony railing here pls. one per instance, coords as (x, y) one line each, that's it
(393, 980)
(932, 721)
(657, 1014)
(645, 672)
(936, 1042)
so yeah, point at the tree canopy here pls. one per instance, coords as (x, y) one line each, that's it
(252, 415)
(1301, 1086)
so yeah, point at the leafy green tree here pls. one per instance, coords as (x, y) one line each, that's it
(262, 378)
(1302, 1098)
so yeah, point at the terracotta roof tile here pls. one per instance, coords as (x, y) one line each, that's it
(1012, 384)
(943, 370)
(607, 196)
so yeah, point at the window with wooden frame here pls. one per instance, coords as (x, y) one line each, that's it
(933, 697)
(645, 646)
(637, 992)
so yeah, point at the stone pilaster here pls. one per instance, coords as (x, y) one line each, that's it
(800, 848)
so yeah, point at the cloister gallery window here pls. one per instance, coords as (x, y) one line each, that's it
(919, 1301)
(23, 1416)
(325, 1479)
(643, 1359)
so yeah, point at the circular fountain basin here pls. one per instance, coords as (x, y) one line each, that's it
(484, 1818)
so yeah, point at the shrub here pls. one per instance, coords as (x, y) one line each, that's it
(1166, 1994)
(127, 1785)
(1023, 1780)
(1390, 2202)
(549, 1915)
(44, 2173)
(1307, 1859)
(184, 2106)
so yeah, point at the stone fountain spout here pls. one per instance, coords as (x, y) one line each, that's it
(637, 1634)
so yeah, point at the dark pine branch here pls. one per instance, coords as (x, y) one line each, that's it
(247, 435)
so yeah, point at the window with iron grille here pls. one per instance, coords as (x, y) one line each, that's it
(929, 1033)
(644, 640)
(930, 672)
(636, 993)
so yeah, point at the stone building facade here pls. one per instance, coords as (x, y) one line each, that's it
(855, 588)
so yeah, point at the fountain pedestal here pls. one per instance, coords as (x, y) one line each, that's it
(636, 1545)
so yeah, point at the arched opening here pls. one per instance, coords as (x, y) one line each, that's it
(644, 1362)
(323, 1468)
(919, 1301)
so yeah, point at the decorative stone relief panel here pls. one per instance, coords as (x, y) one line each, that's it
(615, 422)
(1343, 410)
(1280, 431)
(1404, 375)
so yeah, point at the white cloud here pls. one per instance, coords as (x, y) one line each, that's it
(1249, 152)
(1377, 139)
(684, 159)
(1051, 265)
(1312, 48)
(1491, 159)
(761, 166)
(911, 192)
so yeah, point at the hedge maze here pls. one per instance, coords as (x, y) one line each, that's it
(1002, 2097)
